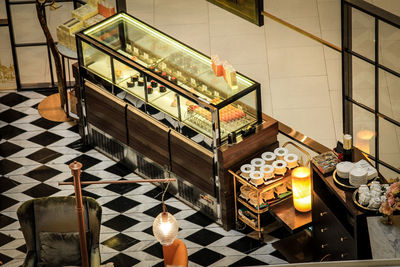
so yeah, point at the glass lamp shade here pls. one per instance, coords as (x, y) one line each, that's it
(301, 186)
(363, 140)
(165, 228)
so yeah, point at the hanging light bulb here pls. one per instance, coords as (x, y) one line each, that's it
(165, 226)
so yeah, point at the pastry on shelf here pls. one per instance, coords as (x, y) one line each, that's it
(200, 111)
(253, 199)
(268, 195)
(245, 190)
(231, 113)
(280, 189)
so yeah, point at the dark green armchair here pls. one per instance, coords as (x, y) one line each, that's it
(50, 229)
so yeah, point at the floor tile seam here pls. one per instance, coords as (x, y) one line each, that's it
(391, 105)
(10, 232)
(176, 24)
(234, 34)
(317, 44)
(327, 76)
(308, 108)
(209, 28)
(300, 107)
(15, 176)
(16, 228)
(268, 69)
(27, 131)
(333, 118)
(25, 157)
(299, 46)
(297, 76)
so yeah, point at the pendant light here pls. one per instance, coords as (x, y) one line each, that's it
(165, 226)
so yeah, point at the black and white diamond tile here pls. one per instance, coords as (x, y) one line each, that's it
(7, 149)
(34, 157)
(9, 131)
(13, 99)
(11, 115)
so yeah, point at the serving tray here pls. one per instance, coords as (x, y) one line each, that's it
(344, 183)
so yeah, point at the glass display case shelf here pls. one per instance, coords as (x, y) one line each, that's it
(169, 76)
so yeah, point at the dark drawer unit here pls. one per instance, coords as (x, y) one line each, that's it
(339, 229)
(330, 237)
(192, 161)
(103, 108)
(148, 136)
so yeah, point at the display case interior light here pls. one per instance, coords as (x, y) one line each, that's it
(301, 186)
(123, 16)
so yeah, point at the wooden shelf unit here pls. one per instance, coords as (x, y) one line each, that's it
(260, 189)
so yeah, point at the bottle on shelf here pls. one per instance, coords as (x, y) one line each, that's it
(347, 147)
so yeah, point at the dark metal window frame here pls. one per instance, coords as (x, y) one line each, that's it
(120, 6)
(347, 76)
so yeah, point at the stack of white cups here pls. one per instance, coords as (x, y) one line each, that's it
(269, 165)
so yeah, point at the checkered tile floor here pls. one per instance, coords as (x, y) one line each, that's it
(34, 157)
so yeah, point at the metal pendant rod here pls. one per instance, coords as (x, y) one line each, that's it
(122, 181)
(76, 173)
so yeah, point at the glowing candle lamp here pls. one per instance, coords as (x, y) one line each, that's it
(301, 186)
(363, 140)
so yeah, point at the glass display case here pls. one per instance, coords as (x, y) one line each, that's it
(153, 71)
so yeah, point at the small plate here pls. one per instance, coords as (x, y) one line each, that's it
(344, 184)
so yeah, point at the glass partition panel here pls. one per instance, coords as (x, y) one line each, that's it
(371, 56)
(389, 46)
(162, 98)
(196, 117)
(238, 114)
(387, 173)
(389, 143)
(364, 130)
(363, 82)
(129, 79)
(363, 34)
(389, 95)
(96, 61)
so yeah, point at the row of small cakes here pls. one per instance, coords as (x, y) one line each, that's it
(270, 164)
(250, 194)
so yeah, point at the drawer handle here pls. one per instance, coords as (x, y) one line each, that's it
(323, 213)
(343, 255)
(324, 245)
(324, 229)
(343, 238)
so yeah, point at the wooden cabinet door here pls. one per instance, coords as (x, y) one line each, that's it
(192, 162)
(148, 136)
(105, 111)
